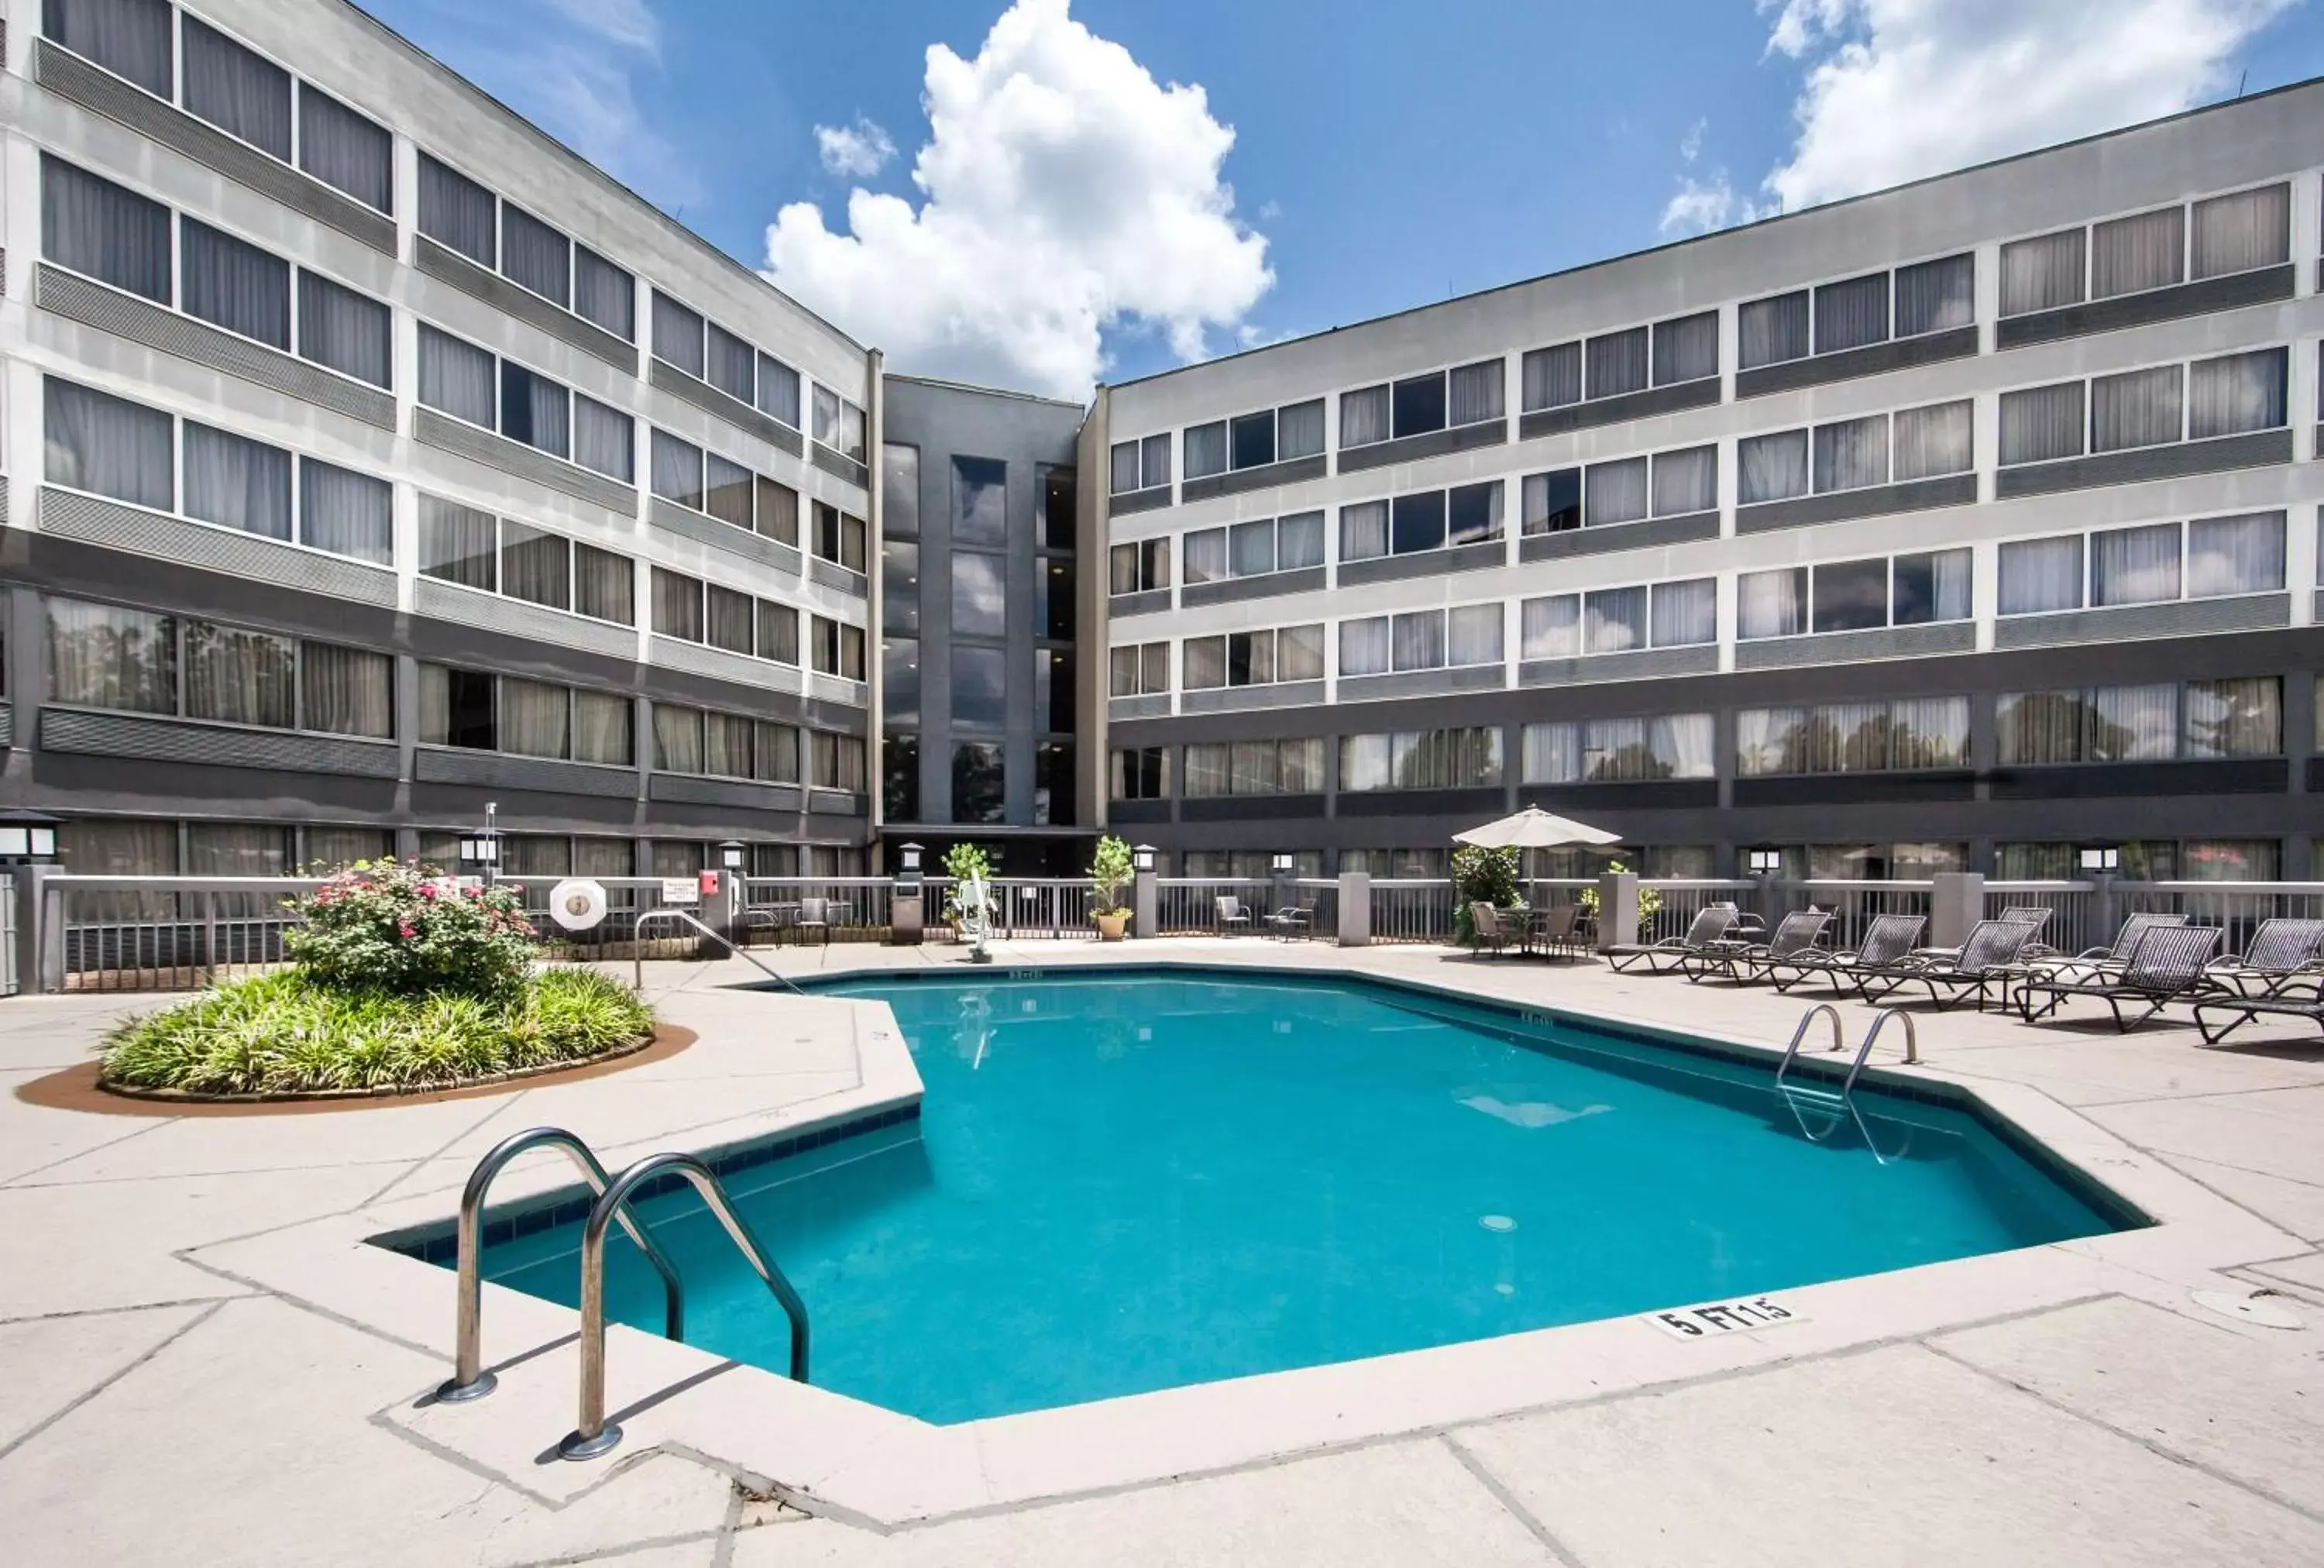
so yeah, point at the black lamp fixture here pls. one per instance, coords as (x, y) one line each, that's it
(1283, 862)
(730, 854)
(28, 837)
(1764, 863)
(1141, 858)
(2101, 857)
(907, 857)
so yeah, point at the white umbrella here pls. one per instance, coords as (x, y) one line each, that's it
(1534, 828)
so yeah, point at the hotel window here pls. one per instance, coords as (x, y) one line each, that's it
(103, 231)
(837, 648)
(1429, 520)
(724, 745)
(459, 544)
(1140, 773)
(1686, 349)
(980, 783)
(2045, 272)
(980, 501)
(1469, 395)
(1862, 737)
(457, 378)
(130, 38)
(345, 150)
(1619, 751)
(1251, 549)
(104, 656)
(839, 536)
(2241, 232)
(2131, 255)
(838, 424)
(1141, 465)
(2223, 555)
(1553, 501)
(1253, 440)
(838, 761)
(109, 446)
(1255, 767)
(1463, 758)
(457, 212)
(2230, 396)
(1421, 640)
(1551, 378)
(677, 336)
(1852, 314)
(1632, 489)
(2199, 720)
(1254, 658)
(1906, 590)
(1138, 669)
(1936, 296)
(2235, 232)
(1677, 614)
(1142, 566)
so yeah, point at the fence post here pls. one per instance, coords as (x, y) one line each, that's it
(1355, 909)
(46, 907)
(1146, 905)
(2105, 911)
(1956, 903)
(1771, 901)
(1617, 910)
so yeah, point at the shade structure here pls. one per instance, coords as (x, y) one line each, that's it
(1534, 828)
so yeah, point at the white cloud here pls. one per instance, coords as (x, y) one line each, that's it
(858, 150)
(1701, 206)
(1897, 90)
(1066, 193)
(1690, 146)
(624, 23)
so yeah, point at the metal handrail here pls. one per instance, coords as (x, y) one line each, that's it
(1801, 1033)
(593, 1435)
(1880, 1021)
(469, 1379)
(638, 948)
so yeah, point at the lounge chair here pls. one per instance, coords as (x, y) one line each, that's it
(1711, 924)
(1991, 956)
(1292, 921)
(1559, 929)
(2094, 961)
(1486, 928)
(1740, 961)
(2241, 1009)
(2282, 956)
(2166, 966)
(1231, 914)
(1888, 941)
(813, 921)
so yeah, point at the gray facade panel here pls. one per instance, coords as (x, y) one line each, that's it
(1135, 501)
(669, 378)
(721, 665)
(840, 465)
(1153, 602)
(1646, 664)
(68, 76)
(834, 803)
(1153, 705)
(1851, 647)
(740, 793)
(1240, 481)
(1618, 411)
(451, 602)
(451, 765)
(92, 521)
(1838, 505)
(1464, 558)
(832, 574)
(1269, 585)
(160, 739)
(450, 435)
(1434, 444)
(1607, 538)
(441, 262)
(1289, 694)
(723, 536)
(1846, 365)
(2216, 456)
(2228, 293)
(2245, 613)
(1423, 683)
(140, 321)
(1253, 808)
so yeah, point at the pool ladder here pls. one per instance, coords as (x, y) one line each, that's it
(1837, 1107)
(638, 948)
(593, 1434)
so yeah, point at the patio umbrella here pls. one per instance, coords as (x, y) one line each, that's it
(1534, 828)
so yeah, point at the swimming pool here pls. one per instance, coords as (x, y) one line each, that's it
(1129, 1180)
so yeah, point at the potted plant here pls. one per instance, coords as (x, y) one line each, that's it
(970, 902)
(1109, 873)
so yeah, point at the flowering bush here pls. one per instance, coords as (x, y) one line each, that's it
(383, 925)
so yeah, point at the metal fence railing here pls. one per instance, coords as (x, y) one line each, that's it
(2074, 923)
(2237, 907)
(1412, 909)
(168, 933)
(1200, 906)
(853, 909)
(10, 983)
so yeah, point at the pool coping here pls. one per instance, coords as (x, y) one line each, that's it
(841, 1457)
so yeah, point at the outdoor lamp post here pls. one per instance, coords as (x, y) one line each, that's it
(483, 849)
(1764, 863)
(2097, 858)
(908, 860)
(730, 854)
(1141, 859)
(27, 838)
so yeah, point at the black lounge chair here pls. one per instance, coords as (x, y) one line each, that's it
(2241, 1009)
(2282, 956)
(1888, 940)
(2092, 961)
(1293, 922)
(1989, 958)
(1711, 924)
(2166, 966)
(1739, 961)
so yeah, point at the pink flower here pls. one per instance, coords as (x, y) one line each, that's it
(404, 928)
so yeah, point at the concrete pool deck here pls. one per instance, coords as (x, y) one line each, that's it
(166, 1395)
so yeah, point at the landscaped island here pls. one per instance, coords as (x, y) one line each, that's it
(399, 982)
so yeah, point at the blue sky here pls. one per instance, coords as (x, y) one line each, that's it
(1386, 155)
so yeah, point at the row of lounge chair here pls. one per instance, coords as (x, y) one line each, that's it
(2156, 960)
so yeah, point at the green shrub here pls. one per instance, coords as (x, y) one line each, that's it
(1112, 871)
(1481, 876)
(287, 1033)
(383, 925)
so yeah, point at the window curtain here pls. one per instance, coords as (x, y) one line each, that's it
(1122, 664)
(2227, 859)
(535, 255)
(456, 377)
(330, 848)
(2041, 574)
(97, 228)
(777, 757)
(2235, 233)
(1472, 514)
(827, 402)
(1553, 501)
(240, 92)
(2133, 723)
(344, 150)
(1614, 620)
(1205, 663)
(1686, 349)
(101, 656)
(1300, 541)
(2135, 566)
(1299, 431)
(1125, 468)
(2041, 728)
(1419, 640)
(1206, 556)
(726, 745)
(1363, 418)
(2041, 424)
(729, 621)
(1852, 314)
(1929, 731)
(1476, 394)
(1686, 481)
(777, 512)
(1681, 745)
(677, 470)
(1771, 603)
(1852, 453)
(1301, 765)
(237, 482)
(1474, 634)
(1685, 614)
(1251, 549)
(733, 365)
(2141, 408)
(1363, 534)
(677, 739)
(2234, 554)
(1550, 377)
(130, 38)
(109, 446)
(605, 587)
(779, 394)
(2043, 274)
(536, 566)
(2235, 718)
(1772, 331)
(1364, 646)
(2034, 862)
(234, 285)
(1617, 363)
(236, 849)
(1614, 492)
(241, 677)
(1299, 653)
(1615, 751)
(1153, 459)
(345, 330)
(727, 494)
(677, 605)
(1550, 754)
(458, 544)
(1931, 586)
(1550, 628)
(1763, 738)
(1209, 769)
(677, 340)
(2235, 395)
(1254, 768)
(345, 512)
(2131, 253)
(1772, 467)
(1936, 296)
(535, 409)
(1206, 450)
(605, 440)
(532, 718)
(1932, 441)
(346, 691)
(456, 212)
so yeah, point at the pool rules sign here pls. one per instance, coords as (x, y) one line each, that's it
(1713, 1319)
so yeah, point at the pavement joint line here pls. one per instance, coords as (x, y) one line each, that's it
(2257, 1274)
(648, 1543)
(153, 1126)
(2151, 1444)
(122, 1311)
(171, 1338)
(1466, 1459)
(255, 1288)
(183, 1175)
(2168, 1157)
(415, 1167)
(722, 1554)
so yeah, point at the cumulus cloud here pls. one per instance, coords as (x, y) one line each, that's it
(1066, 192)
(858, 150)
(1699, 206)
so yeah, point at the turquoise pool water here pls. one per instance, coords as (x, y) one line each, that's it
(1132, 1181)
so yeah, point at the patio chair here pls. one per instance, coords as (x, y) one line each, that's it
(1292, 921)
(1711, 924)
(813, 919)
(1888, 941)
(2093, 961)
(1741, 961)
(1557, 929)
(2282, 956)
(2166, 966)
(1231, 914)
(2240, 1011)
(1486, 928)
(1991, 956)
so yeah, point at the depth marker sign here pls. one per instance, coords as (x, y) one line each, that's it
(1723, 1317)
